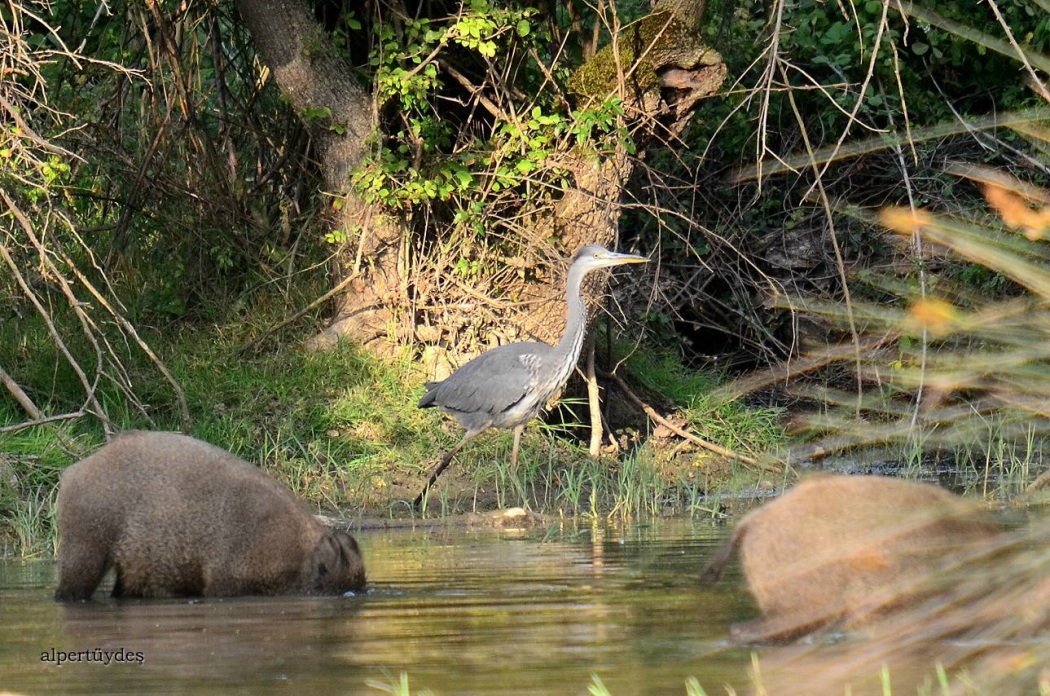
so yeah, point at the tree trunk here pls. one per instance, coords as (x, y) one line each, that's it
(323, 89)
(320, 85)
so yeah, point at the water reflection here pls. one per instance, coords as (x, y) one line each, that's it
(462, 611)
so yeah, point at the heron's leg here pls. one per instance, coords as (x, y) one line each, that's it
(517, 445)
(446, 459)
(518, 484)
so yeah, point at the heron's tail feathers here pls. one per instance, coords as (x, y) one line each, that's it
(427, 399)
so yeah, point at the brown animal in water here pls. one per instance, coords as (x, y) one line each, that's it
(179, 517)
(979, 627)
(841, 549)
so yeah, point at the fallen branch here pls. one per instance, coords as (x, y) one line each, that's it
(20, 396)
(44, 421)
(250, 345)
(657, 418)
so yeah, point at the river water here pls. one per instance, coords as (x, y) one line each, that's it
(460, 611)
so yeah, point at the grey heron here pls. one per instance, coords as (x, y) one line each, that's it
(507, 386)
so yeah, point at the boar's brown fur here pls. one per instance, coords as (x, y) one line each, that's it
(842, 549)
(179, 517)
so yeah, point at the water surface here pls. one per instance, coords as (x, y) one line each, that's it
(461, 611)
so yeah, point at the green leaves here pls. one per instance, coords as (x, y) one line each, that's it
(477, 33)
(506, 153)
(840, 46)
(414, 166)
(602, 123)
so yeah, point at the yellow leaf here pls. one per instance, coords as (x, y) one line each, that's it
(935, 315)
(904, 220)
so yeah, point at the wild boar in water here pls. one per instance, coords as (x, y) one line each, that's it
(176, 516)
(842, 549)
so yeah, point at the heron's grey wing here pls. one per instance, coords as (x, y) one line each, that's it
(490, 383)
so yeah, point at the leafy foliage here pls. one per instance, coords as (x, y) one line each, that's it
(430, 154)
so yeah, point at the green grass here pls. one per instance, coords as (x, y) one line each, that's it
(30, 462)
(395, 687)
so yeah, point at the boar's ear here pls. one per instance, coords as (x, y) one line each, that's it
(348, 549)
(351, 565)
(325, 559)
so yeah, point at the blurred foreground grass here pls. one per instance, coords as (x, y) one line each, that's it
(924, 365)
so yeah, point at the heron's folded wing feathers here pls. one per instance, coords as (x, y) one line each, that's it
(492, 382)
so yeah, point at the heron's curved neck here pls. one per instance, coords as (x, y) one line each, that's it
(576, 321)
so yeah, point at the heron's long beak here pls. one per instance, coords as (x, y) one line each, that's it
(615, 259)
